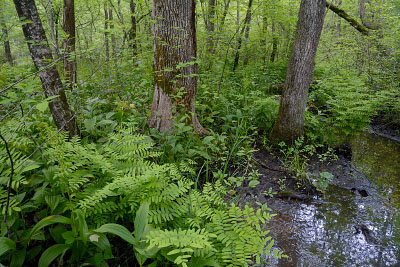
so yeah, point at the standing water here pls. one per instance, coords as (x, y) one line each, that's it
(356, 222)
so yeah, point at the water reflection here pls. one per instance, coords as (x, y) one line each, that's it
(358, 227)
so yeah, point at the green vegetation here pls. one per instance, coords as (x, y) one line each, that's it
(121, 193)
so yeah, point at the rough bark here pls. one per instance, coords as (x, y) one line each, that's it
(7, 48)
(246, 27)
(106, 44)
(175, 44)
(341, 13)
(290, 121)
(368, 20)
(41, 55)
(133, 29)
(69, 42)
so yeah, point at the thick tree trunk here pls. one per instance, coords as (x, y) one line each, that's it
(69, 42)
(246, 27)
(41, 55)
(106, 44)
(7, 48)
(133, 29)
(290, 121)
(175, 49)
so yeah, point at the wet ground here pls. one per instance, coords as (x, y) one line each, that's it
(355, 223)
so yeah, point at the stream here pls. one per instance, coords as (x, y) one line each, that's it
(356, 222)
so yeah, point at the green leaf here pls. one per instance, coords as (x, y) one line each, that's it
(118, 230)
(201, 261)
(253, 183)
(51, 253)
(18, 258)
(141, 220)
(42, 106)
(6, 244)
(48, 221)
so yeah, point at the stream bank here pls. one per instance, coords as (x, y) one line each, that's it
(356, 222)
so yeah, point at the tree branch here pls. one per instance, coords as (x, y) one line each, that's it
(341, 13)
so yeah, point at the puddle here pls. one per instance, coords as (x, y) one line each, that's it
(358, 222)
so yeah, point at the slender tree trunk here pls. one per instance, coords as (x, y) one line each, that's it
(290, 122)
(226, 8)
(132, 31)
(247, 21)
(41, 55)
(7, 48)
(263, 41)
(368, 18)
(210, 25)
(106, 44)
(274, 43)
(246, 37)
(56, 13)
(50, 20)
(175, 44)
(69, 42)
(113, 40)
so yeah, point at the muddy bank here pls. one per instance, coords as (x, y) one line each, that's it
(355, 223)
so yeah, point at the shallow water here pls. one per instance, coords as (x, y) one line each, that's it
(358, 222)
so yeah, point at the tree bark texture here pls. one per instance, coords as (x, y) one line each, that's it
(290, 121)
(69, 42)
(175, 49)
(7, 48)
(41, 55)
(341, 13)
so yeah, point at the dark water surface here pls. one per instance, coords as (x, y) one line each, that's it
(356, 222)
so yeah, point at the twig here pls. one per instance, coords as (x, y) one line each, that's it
(9, 186)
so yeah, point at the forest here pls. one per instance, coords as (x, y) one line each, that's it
(199, 133)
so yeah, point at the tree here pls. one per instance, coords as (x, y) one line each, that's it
(132, 30)
(69, 41)
(175, 66)
(290, 121)
(7, 48)
(246, 30)
(42, 58)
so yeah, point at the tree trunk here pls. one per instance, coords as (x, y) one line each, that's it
(175, 49)
(226, 8)
(41, 55)
(69, 42)
(290, 121)
(246, 27)
(210, 25)
(132, 31)
(50, 20)
(274, 43)
(107, 47)
(368, 19)
(113, 40)
(7, 48)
